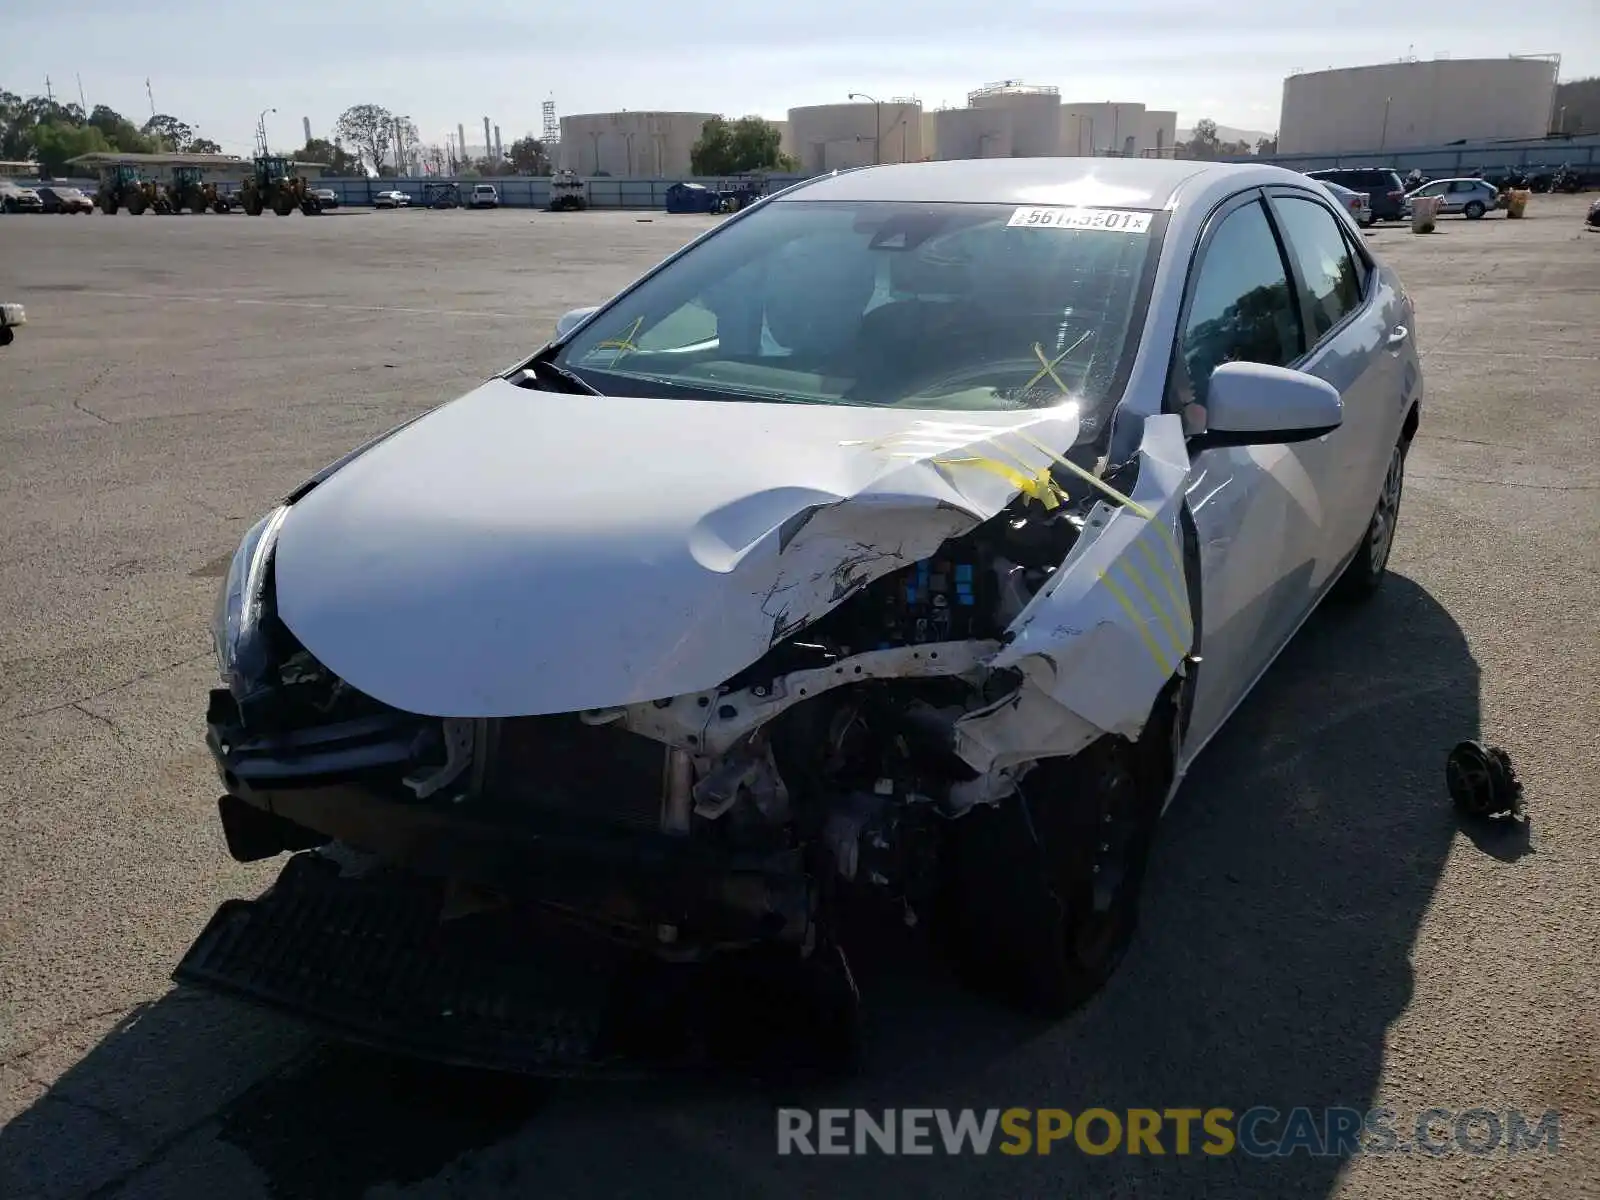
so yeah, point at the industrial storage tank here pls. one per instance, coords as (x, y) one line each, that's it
(1410, 103)
(1158, 133)
(631, 145)
(972, 133)
(835, 137)
(1035, 115)
(1097, 129)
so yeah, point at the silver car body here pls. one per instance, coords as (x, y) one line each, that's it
(1358, 203)
(760, 512)
(1454, 195)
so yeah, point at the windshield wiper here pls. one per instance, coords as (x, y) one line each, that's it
(551, 370)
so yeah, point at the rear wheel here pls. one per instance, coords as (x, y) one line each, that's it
(1366, 571)
(1474, 210)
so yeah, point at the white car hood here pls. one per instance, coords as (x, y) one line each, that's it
(520, 552)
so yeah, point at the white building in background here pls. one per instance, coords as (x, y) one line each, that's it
(1012, 119)
(1408, 103)
(836, 137)
(636, 145)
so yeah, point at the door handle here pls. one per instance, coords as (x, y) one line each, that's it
(1398, 335)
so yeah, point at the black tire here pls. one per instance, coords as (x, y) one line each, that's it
(1366, 572)
(1474, 210)
(10, 206)
(1040, 896)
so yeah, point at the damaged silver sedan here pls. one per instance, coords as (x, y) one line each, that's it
(891, 550)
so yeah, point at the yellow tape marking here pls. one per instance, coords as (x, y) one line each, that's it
(1038, 486)
(1138, 620)
(625, 342)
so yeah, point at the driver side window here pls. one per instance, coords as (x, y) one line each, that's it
(1242, 309)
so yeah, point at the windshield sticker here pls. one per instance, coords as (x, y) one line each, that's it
(1111, 220)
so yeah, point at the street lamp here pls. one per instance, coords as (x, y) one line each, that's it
(261, 128)
(877, 124)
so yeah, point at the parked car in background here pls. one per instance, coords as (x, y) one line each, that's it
(15, 198)
(326, 197)
(906, 630)
(483, 195)
(1383, 188)
(1469, 197)
(391, 200)
(62, 199)
(1358, 204)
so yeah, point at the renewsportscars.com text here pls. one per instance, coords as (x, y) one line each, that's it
(1259, 1132)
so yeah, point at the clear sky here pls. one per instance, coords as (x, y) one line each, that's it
(218, 63)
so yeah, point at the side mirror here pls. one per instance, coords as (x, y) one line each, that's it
(571, 320)
(1253, 404)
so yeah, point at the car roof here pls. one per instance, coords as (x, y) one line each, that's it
(1087, 182)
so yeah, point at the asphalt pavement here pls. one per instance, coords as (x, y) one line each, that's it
(1319, 929)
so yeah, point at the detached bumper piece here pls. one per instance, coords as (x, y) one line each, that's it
(373, 960)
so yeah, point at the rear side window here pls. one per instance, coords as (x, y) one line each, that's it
(1319, 250)
(1242, 309)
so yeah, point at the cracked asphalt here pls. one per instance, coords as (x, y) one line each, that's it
(1319, 928)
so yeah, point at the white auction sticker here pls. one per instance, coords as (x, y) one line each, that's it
(1112, 220)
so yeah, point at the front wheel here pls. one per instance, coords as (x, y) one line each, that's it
(1474, 210)
(1040, 897)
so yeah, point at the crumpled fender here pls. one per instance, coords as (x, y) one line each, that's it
(1098, 643)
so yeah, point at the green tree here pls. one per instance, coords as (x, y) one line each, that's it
(120, 132)
(339, 161)
(1267, 145)
(202, 145)
(172, 133)
(729, 148)
(370, 129)
(56, 143)
(528, 156)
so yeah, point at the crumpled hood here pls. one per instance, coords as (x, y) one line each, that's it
(521, 552)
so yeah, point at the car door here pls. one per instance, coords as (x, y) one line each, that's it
(1257, 510)
(1356, 333)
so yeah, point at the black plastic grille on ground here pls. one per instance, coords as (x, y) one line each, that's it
(372, 961)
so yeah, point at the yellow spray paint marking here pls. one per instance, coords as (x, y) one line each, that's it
(1138, 620)
(1156, 607)
(1180, 602)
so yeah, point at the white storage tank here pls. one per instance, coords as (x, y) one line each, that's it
(1035, 115)
(631, 145)
(833, 137)
(1404, 104)
(1109, 128)
(972, 133)
(1158, 133)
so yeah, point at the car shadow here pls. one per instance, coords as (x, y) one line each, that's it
(1289, 881)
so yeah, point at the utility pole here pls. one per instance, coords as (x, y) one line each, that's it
(82, 102)
(877, 125)
(150, 95)
(49, 94)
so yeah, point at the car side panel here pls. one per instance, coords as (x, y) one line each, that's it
(1258, 515)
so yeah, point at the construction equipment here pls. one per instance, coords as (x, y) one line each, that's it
(189, 191)
(567, 192)
(121, 187)
(272, 186)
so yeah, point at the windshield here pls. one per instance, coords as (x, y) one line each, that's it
(949, 306)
